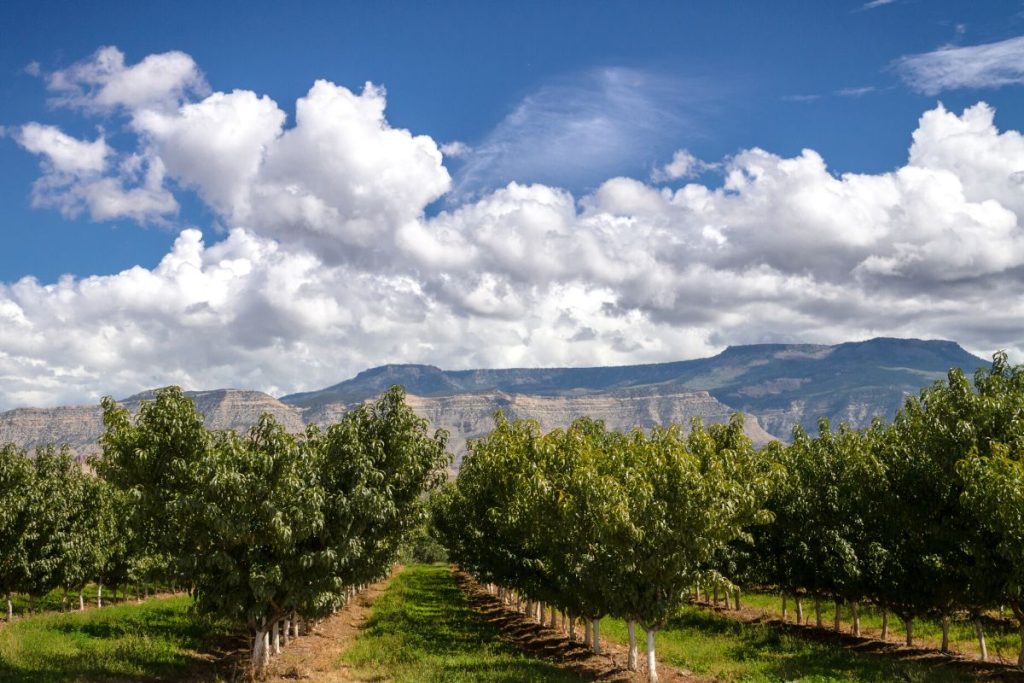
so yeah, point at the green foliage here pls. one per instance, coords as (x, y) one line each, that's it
(267, 524)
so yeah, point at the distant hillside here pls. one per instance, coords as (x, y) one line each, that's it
(776, 385)
(782, 384)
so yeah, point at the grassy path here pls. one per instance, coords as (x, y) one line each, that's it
(423, 629)
(153, 641)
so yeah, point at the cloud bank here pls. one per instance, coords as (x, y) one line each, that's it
(991, 65)
(330, 263)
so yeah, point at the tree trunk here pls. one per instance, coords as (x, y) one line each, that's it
(737, 599)
(597, 637)
(980, 628)
(652, 662)
(799, 609)
(572, 627)
(885, 624)
(540, 613)
(295, 625)
(839, 617)
(10, 609)
(265, 658)
(945, 634)
(855, 613)
(631, 662)
(276, 637)
(1020, 657)
(259, 654)
(99, 594)
(586, 631)
(714, 600)
(785, 607)
(287, 630)
(817, 611)
(553, 618)
(908, 625)
(81, 601)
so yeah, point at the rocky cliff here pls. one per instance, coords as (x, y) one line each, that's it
(777, 385)
(80, 426)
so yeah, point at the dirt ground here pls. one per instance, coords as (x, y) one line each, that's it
(315, 657)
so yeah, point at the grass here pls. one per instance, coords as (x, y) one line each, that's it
(729, 650)
(422, 629)
(157, 640)
(1002, 636)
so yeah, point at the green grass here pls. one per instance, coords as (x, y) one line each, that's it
(1002, 636)
(729, 650)
(153, 641)
(423, 629)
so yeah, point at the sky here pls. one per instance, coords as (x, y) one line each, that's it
(277, 196)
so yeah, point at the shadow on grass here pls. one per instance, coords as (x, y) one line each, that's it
(784, 651)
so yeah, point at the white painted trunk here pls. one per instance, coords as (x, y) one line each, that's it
(259, 652)
(631, 662)
(652, 662)
(597, 637)
(10, 609)
(737, 599)
(855, 613)
(81, 601)
(276, 636)
(265, 651)
(980, 628)
(287, 631)
(99, 594)
(586, 631)
(572, 627)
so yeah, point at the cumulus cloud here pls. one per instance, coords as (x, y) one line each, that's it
(330, 263)
(103, 82)
(990, 65)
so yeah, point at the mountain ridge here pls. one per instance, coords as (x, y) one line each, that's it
(778, 386)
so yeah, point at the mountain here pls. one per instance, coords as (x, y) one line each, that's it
(80, 426)
(782, 384)
(777, 385)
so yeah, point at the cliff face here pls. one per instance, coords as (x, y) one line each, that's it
(80, 426)
(783, 384)
(778, 386)
(468, 416)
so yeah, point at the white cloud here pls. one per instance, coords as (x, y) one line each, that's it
(331, 265)
(103, 82)
(455, 149)
(683, 165)
(62, 153)
(990, 65)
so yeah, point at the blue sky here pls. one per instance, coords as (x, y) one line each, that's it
(564, 96)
